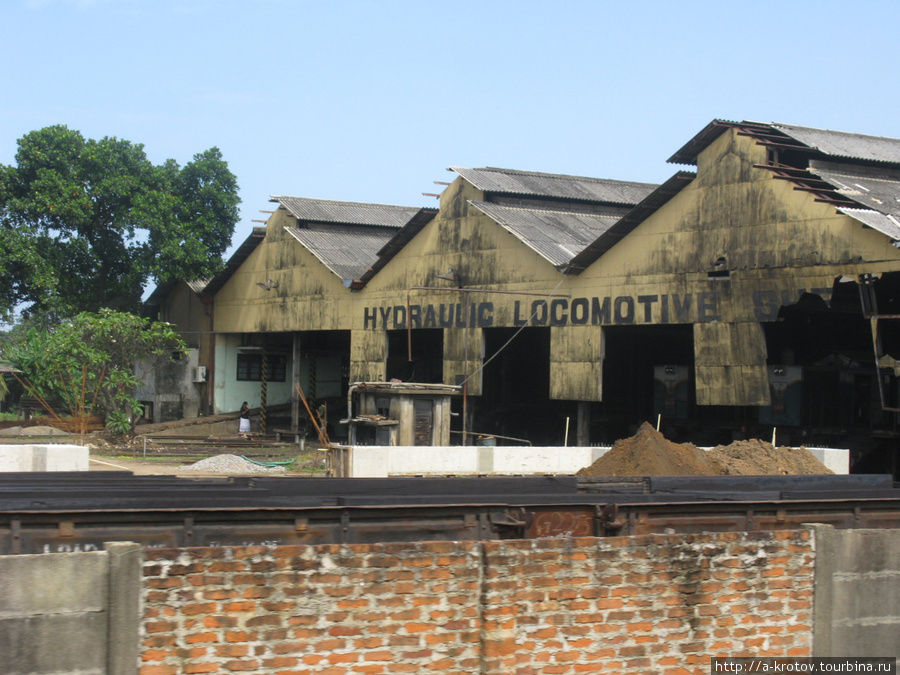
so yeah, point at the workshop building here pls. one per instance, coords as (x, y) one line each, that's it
(755, 295)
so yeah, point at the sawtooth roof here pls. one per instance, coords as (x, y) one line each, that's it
(556, 235)
(555, 186)
(348, 213)
(345, 236)
(346, 251)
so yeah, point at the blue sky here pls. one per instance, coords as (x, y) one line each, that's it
(365, 100)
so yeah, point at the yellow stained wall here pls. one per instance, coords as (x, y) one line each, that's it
(184, 308)
(576, 358)
(308, 296)
(484, 255)
(777, 243)
(368, 356)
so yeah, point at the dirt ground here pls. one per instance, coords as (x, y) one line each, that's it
(139, 467)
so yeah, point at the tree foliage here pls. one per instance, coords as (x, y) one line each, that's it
(88, 363)
(84, 224)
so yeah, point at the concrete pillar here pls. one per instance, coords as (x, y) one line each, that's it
(856, 611)
(125, 586)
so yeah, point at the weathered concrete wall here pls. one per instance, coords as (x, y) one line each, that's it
(170, 386)
(857, 590)
(376, 461)
(44, 458)
(71, 612)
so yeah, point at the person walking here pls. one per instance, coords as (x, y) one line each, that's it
(244, 429)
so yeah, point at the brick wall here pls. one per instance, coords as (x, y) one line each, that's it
(658, 603)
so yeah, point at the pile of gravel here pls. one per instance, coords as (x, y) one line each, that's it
(230, 464)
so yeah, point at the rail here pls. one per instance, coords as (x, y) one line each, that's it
(80, 511)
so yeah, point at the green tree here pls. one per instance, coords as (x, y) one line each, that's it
(89, 363)
(85, 224)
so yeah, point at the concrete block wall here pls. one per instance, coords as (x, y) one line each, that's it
(52, 457)
(71, 612)
(381, 461)
(655, 603)
(857, 590)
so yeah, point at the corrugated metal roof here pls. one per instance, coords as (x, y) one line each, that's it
(555, 235)
(346, 251)
(350, 213)
(842, 144)
(835, 144)
(532, 184)
(880, 194)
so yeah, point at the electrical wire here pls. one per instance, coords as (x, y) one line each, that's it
(514, 335)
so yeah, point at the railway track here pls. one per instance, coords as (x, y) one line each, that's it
(81, 511)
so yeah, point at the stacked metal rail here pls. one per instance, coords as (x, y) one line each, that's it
(81, 511)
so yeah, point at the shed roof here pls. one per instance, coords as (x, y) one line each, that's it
(556, 186)
(349, 213)
(556, 235)
(345, 236)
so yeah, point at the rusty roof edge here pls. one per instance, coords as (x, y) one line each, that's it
(630, 221)
(396, 243)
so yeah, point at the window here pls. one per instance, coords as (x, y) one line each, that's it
(249, 367)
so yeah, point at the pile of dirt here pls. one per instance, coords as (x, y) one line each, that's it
(755, 457)
(649, 453)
